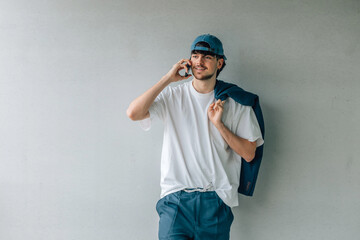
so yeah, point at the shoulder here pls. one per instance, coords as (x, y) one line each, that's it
(232, 104)
(177, 89)
(225, 89)
(235, 109)
(172, 91)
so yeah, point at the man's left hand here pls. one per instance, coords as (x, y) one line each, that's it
(215, 112)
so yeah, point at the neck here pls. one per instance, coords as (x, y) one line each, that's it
(204, 86)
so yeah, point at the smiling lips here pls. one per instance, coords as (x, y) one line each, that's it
(200, 68)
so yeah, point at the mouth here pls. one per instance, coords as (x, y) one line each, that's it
(199, 68)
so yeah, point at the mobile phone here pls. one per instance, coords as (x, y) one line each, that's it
(187, 74)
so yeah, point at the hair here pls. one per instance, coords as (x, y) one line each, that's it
(205, 44)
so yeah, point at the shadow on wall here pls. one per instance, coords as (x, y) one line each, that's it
(274, 117)
(268, 171)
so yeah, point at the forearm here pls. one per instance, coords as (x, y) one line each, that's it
(139, 108)
(241, 146)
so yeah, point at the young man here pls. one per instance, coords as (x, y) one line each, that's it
(204, 142)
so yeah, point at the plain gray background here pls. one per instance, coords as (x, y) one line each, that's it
(73, 166)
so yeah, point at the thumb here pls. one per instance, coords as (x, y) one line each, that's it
(211, 107)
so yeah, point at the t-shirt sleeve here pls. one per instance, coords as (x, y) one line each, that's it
(156, 110)
(247, 125)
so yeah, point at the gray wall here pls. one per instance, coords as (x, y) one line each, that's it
(73, 166)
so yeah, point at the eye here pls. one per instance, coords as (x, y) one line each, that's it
(208, 57)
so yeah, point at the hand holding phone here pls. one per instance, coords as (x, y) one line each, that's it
(175, 73)
(186, 73)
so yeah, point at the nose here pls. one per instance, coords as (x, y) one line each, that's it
(200, 59)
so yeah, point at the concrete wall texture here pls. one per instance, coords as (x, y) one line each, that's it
(73, 166)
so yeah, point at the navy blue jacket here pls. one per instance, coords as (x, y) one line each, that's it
(249, 170)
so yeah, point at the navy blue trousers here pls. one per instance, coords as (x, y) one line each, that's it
(195, 216)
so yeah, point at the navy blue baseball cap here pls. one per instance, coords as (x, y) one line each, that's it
(214, 43)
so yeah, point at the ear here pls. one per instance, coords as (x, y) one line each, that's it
(220, 63)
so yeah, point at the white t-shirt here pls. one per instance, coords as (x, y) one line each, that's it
(194, 153)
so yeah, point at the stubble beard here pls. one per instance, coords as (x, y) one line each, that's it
(204, 78)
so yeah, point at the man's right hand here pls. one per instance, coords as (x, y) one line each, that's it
(174, 76)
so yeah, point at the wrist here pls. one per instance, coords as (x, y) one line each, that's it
(166, 79)
(219, 125)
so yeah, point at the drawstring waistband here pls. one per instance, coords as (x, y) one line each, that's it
(208, 188)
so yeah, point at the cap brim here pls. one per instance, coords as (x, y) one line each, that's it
(206, 49)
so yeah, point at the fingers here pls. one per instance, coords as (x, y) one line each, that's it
(184, 64)
(187, 61)
(219, 103)
(188, 65)
(216, 106)
(211, 107)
